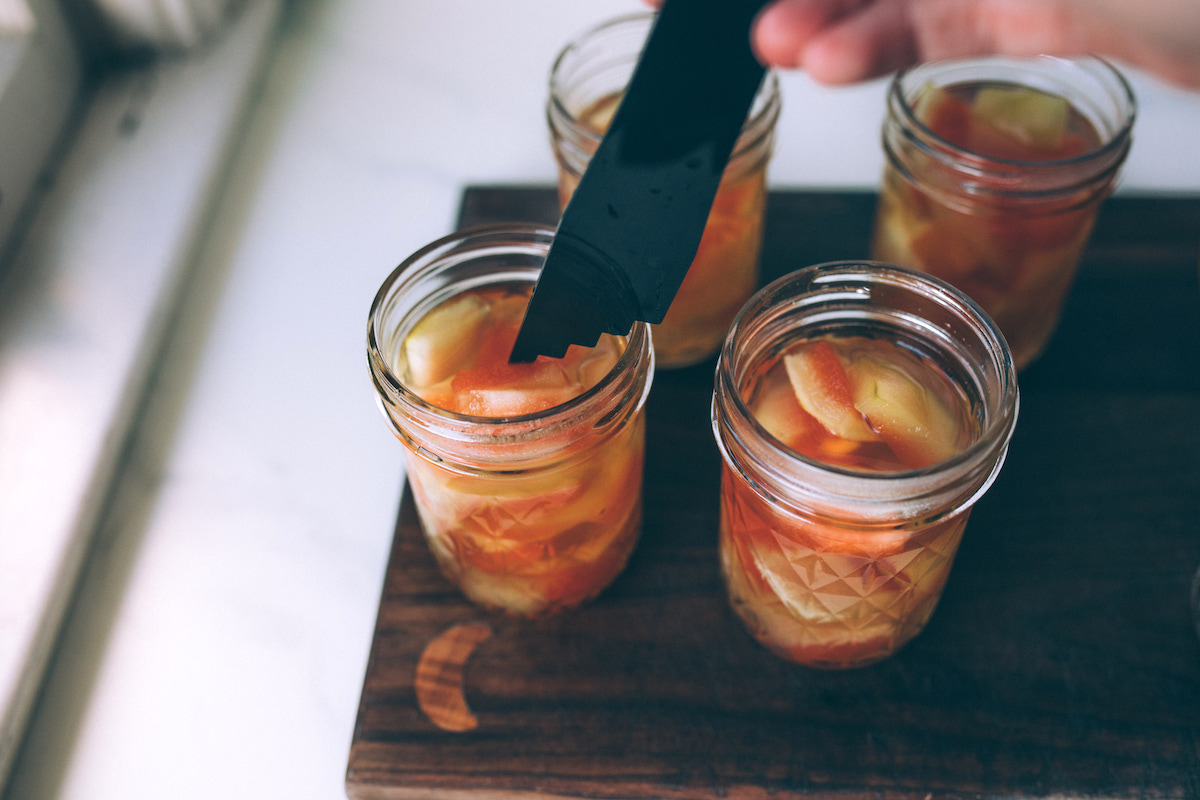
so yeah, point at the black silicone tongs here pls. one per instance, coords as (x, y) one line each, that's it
(633, 225)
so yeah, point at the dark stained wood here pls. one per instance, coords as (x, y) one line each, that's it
(1061, 662)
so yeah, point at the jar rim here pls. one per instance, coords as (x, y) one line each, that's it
(485, 238)
(970, 467)
(758, 126)
(1116, 141)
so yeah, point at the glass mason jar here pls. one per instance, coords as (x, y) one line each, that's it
(586, 85)
(834, 566)
(528, 514)
(1005, 217)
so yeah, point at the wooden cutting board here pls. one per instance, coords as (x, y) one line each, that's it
(1062, 661)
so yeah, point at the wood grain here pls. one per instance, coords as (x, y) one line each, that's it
(1061, 662)
(439, 679)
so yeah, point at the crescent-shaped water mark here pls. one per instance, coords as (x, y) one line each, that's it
(439, 679)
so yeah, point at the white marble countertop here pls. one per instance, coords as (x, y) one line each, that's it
(217, 645)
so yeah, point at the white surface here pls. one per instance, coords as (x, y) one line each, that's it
(85, 305)
(220, 643)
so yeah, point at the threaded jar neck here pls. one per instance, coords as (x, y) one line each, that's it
(471, 259)
(599, 64)
(970, 181)
(933, 319)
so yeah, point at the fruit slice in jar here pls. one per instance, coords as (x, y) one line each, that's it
(777, 410)
(1009, 121)
(943, 113)
(503, 389)
(913, 422)
(823, 389)
(1036, 120)
(516, 596)
(445, 340)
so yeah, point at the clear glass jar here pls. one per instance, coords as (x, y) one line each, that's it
(837, 567)
(527, 514)
(586, 84)
(1008, 230)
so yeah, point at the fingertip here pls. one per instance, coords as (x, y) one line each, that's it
(861, 48)
(832, 63)
(775, 37)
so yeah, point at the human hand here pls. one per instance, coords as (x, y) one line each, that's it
(845, 41)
